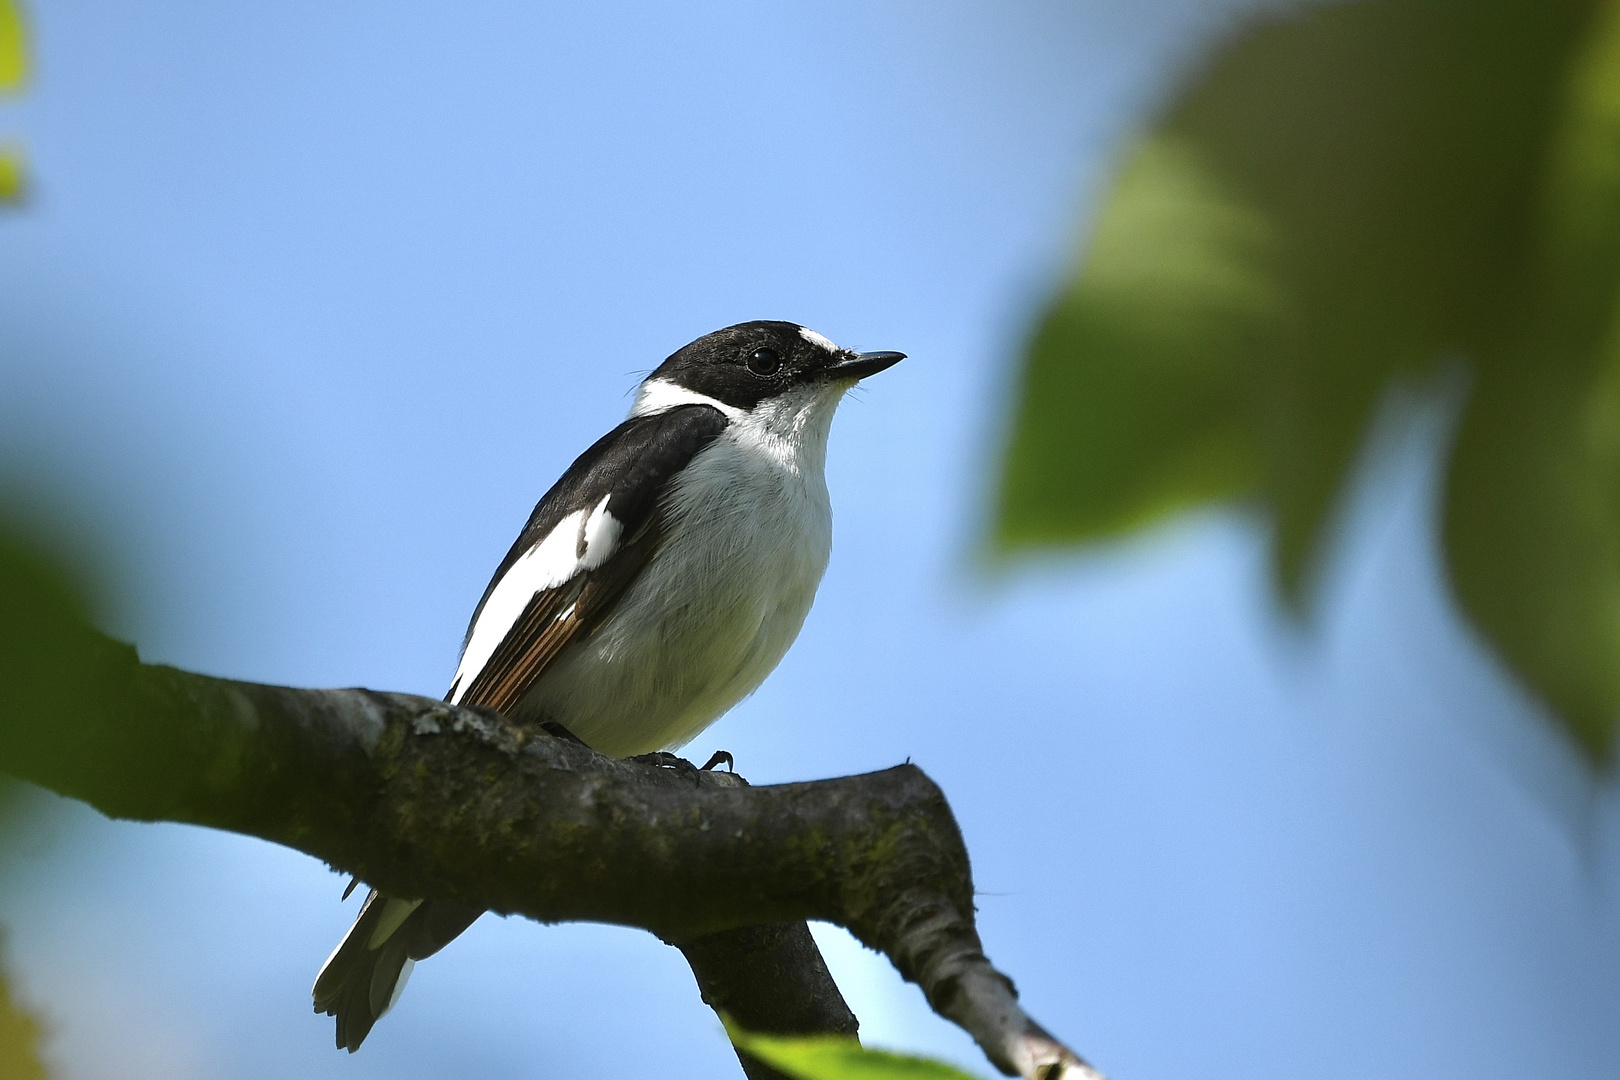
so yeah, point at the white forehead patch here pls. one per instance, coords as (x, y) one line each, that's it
(816, 339)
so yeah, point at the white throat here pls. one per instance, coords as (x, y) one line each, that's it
(791, 428)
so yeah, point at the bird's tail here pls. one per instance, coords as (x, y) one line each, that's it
(368, 970)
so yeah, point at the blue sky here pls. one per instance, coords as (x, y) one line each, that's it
(313, 301)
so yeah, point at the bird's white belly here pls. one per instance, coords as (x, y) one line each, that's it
(747, 541)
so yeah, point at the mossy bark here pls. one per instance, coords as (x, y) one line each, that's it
(423, 799)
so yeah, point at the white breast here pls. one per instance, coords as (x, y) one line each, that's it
(748, 535)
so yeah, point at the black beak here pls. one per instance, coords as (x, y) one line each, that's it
(863, 364)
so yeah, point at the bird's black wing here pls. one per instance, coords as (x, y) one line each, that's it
(624, 476)
(587, 540)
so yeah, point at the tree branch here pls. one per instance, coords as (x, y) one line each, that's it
(423, 799)
(769, 978)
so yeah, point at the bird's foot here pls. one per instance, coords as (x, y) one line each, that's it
(663, 759)
(718, 758)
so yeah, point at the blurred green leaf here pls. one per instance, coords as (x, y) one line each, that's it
(20, 1036)
(13, 73)
(12, 176)
(49, 669)
(13, 47)
(42, 630)
(832, 1057)
(47, 653)
(1346, 194)
(19, 1042)
(19, 1032)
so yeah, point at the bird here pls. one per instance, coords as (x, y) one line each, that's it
(655, 585)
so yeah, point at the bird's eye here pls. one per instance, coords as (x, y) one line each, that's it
(764, 362)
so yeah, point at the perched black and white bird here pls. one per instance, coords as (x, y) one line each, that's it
(655, 586)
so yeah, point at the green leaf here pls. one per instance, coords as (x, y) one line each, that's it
(20, 1036)
(13, 73)
(832, 1057)
(13, 47)
(29, 589)
(1132, 398)
(1347, 194)
(13, 179)
(42, 631)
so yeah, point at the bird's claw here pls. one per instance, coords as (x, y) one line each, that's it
(663, 759)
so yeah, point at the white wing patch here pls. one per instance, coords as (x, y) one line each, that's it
(816, 339)
(598, 537)
(579, 542)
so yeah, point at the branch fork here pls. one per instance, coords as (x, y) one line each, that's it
(421, 798)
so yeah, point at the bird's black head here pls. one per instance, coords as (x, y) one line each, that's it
(746, 364)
